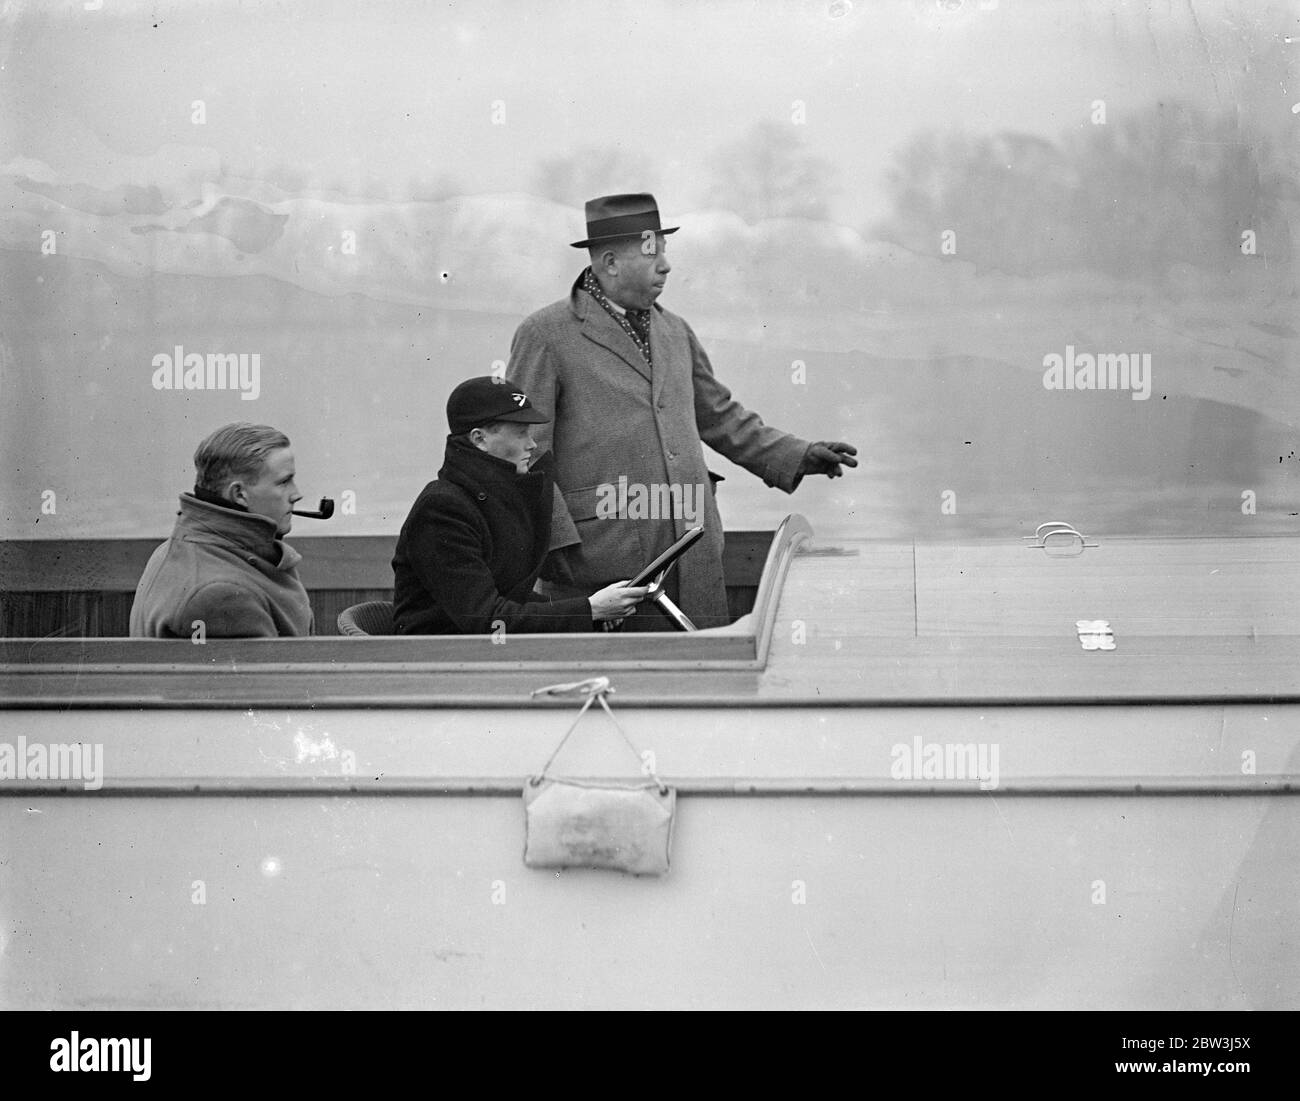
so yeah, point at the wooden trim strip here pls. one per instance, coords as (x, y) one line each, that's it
(497, 787)
(924, 672)
(388, 653)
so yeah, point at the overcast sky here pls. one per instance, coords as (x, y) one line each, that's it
(372, 96)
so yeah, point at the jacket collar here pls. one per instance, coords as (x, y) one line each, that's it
(247, 532)
(600, 328)
(477, 471)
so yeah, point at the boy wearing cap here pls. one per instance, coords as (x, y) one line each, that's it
(473, 544)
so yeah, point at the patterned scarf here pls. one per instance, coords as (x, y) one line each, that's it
(636, 323)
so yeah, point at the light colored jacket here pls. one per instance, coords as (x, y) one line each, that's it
(226, 569)
(614, 416)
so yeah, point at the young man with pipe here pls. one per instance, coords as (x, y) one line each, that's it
(225, 573)
(469, 553)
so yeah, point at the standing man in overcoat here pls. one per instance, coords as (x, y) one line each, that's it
(631, 395)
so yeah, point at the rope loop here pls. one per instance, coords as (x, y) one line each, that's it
(590, 690)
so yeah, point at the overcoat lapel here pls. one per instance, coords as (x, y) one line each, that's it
(600, 328)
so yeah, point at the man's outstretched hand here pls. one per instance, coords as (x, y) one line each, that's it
(825, 458)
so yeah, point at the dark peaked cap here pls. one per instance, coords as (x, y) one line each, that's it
(479, 401)
(615, 217)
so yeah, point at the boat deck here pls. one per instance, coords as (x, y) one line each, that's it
(839, 623)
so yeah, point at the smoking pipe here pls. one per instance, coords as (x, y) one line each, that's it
(326, 510)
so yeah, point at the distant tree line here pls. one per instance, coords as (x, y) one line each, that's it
(1172, 185)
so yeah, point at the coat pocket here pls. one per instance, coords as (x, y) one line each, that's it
(584, 504)
(612, 547)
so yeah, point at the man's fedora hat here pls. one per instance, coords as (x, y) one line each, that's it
(615, 217)
(479, 401)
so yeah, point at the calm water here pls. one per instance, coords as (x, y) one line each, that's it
(945, 405)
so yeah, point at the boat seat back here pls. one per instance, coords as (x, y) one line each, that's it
(374, 617)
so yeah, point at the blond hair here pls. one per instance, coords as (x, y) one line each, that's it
(235, 452)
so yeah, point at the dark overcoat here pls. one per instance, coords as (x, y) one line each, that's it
(614, 416)
(470, 550)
